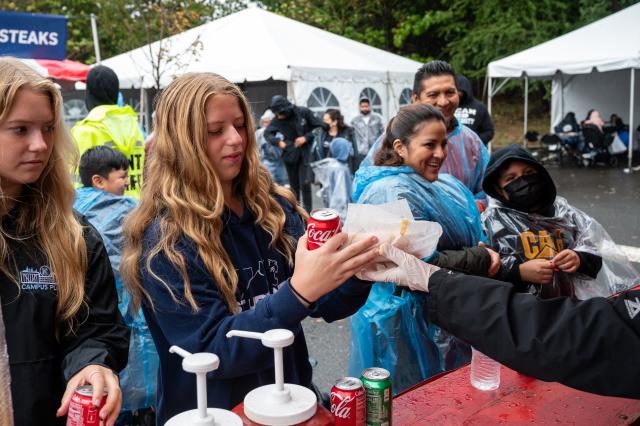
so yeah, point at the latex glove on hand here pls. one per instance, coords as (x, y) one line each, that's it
(402, 268)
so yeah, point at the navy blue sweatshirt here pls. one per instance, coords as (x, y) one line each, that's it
(266, 300)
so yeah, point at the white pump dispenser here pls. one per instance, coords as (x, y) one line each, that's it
(281, 403)
(200, 364)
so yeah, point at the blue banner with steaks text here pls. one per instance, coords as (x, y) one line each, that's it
(31, 35)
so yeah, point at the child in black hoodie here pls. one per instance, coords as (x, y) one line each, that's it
(547, 247)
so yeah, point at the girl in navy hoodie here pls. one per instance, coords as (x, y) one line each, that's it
(211, 248)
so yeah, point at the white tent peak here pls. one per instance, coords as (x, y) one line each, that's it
(255, 45)
(611, 43)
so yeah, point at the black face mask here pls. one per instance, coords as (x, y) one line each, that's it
(526, 193)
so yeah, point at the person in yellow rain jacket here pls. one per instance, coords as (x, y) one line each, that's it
(111, 125)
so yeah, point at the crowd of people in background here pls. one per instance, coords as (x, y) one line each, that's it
(204, 232)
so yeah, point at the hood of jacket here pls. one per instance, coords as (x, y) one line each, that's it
(102, 87)
(341, 149)
(464, 86)
(500, 159)
(280, 104)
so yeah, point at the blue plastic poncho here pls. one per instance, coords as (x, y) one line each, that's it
(391, 329)
(335, 178)
(138, 380)
(466, 160)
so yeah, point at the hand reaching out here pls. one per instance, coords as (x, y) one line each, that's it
(494, 267)
(319, 271)
(403, 269)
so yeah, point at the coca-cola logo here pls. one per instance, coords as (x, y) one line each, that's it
(320, 235)
(342, 409)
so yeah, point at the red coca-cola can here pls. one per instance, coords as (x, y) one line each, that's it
(348, 402)
(322, 225)
(82, 412)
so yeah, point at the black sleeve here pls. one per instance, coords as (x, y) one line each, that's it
(591, 345)
(590, 264)
(511, 274)
(100, 337)
(469, 260)
(270, 133)
(484, 125)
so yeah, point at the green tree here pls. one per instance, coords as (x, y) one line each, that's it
(467, 33)
(125, 24)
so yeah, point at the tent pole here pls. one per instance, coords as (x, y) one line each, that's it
(142, 108)
(632, 131)
(526, 107)
(490, 95)
(561, 96)
(390, 96)
(96, 41)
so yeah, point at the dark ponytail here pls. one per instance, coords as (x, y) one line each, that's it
(403, 126)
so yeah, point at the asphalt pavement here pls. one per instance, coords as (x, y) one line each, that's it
(607, 194)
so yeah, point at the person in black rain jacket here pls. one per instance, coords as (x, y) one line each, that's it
(590, 345)
(292, 130)
(471, 112)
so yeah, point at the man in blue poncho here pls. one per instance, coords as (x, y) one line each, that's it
(435, 84)
(103, 172)
(390, 330)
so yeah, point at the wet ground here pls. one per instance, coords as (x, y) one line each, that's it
(607, 194)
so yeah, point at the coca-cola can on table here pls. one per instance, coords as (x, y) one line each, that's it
(322, 225)
(348, 402)
(82, 412)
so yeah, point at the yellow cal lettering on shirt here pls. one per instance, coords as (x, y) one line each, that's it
(529, 245)
(547, 245)
(559, 239)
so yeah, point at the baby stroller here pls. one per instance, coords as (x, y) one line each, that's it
(597, 147)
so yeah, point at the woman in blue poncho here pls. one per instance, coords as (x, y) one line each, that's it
(390, 330)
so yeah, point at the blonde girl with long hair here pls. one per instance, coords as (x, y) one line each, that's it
(212, 247)
(59, 304)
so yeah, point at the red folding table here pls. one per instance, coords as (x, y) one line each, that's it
(450, 399)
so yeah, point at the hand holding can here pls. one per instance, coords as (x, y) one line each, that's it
(104, 382)
(319, 271)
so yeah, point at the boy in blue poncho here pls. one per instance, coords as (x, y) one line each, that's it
(103, 172)
(390, 330)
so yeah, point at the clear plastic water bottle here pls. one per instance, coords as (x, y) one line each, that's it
(485, 372)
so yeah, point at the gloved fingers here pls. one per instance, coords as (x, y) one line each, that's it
(383, 275)
(392, 253)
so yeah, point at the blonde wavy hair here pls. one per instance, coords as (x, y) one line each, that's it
(46, 213)
(184, 193)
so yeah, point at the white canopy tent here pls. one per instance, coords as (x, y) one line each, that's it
(321, 69)
(591, 67)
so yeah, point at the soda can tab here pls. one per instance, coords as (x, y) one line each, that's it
(322, 225)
